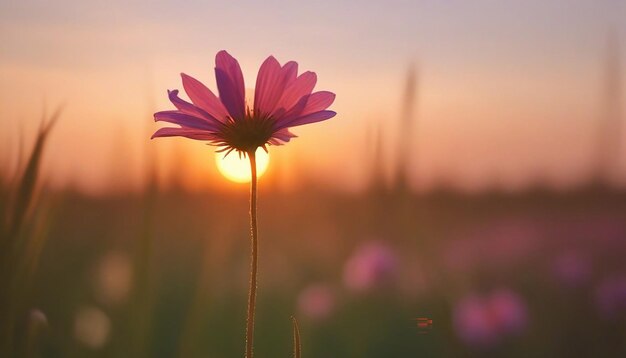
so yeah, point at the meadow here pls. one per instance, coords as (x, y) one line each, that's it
(163, 272)
(444, 179)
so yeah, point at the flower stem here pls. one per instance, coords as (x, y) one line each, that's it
(253, 257)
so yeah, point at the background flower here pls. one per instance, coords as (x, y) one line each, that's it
(373, 265)
(484, 321)
(317, 302)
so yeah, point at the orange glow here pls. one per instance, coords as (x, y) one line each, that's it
(492, 93)
(237, 169)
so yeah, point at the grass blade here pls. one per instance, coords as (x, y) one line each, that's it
(297, 346)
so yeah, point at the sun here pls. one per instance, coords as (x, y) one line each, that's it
(238, 169)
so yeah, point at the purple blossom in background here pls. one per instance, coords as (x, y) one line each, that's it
(610, 296)
(500, 245)
(511, 242)
(572, 268)
(483, 321)
(316, 302)
(509, 311)
(473, 324)
(373, 265)
(597, 235)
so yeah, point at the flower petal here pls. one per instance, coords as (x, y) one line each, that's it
(181, 105)
(271, 83)
(230, 84)
(290, 70)
(312, 118)
(318, 101)
(190, 109)
(183, 132)
(303, 85)
(203, 98)
(281, 137)
(267, 83)
(185, 120)
(284, 135)
(312, 103)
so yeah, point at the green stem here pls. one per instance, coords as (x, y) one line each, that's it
(253, 257)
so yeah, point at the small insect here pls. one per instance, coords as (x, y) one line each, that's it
(424, 324)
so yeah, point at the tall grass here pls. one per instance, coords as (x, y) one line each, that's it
(297, 345)
(22, 238)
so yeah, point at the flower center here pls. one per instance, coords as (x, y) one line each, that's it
(247, 134)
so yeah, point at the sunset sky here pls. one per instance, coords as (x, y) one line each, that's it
(510, 92)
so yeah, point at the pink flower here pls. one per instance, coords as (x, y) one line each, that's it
(373, 265)
(501, 245)
(316, 302)
(483, 321)
(282, 100)
(472, 323)
(572, 268)
(509, 311)
(610, 297)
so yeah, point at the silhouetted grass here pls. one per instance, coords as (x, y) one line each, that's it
(23, 236)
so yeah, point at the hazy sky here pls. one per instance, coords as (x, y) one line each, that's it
(509, 91)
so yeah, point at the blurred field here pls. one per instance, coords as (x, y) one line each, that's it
(164, 274)
(472, 206)
(385, 271)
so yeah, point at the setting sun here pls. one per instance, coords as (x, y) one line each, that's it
(238, 169)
